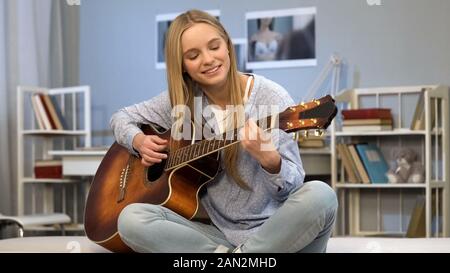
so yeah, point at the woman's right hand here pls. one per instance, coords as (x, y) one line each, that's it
(150, 147)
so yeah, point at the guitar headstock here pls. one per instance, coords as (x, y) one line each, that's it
(316, 114)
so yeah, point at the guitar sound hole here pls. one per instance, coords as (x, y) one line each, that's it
(155, 171)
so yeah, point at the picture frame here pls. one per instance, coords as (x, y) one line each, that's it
(162, 23)
(240, 49)
(281, 38)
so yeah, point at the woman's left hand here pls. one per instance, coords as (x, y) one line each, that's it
(260, 146)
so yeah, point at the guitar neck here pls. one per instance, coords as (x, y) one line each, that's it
(204, 147)
(316, 114)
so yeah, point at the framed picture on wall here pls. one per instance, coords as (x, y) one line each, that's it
(240, 48)
(281, 38)
(162, 25)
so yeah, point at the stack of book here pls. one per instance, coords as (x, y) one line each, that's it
(369, 119)
(363, 163)
(311, 141)
(48, 169)
(47, 112)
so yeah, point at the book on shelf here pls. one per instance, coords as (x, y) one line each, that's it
(367, 113)
(416, 227)
(48, 169)
(373, 121)
(311, 141)
(367, 119)
(349, 167)
(41, 112)
(58, 113)
(37, 115)
(47, 112)
(358, 164)
(374, 163)
(418, 120)
(363, 128)
(52, 111)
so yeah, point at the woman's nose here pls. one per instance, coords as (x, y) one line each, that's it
(208, 58)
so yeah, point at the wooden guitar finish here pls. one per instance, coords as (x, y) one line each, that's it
(175, 183)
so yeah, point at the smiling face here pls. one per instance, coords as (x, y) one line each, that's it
(205, 55)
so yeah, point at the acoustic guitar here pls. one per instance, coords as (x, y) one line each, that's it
(175, 183)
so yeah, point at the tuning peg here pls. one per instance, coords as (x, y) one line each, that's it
(318, 133)
(305, 134)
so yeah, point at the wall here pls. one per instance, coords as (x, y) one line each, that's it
(401, 42)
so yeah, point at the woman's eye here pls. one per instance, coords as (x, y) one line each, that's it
(192, 57)
(215, 47)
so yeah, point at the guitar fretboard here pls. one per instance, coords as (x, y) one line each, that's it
(204, 147)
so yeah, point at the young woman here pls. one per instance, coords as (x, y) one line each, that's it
(259, 202)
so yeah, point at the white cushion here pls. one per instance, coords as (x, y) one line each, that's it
(387, 245)
(335, 245)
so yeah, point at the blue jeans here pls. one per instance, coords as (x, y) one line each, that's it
(302, 224)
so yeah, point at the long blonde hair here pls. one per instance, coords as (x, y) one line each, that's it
(181, 86)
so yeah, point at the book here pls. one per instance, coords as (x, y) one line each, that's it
(347, 163)
(363, 128)
(52, 111)
(312, 143)
(48, 169)
(375, 121)
(37, 114)
(367, 113)
(359, 164)
(42, 113)
(374, 163)
(352, 162)
(59, 113)
(47, 111)
(417, 122)
(416, 227)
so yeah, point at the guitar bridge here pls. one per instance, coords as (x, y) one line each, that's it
(123, 182)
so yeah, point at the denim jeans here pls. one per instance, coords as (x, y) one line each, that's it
(302, 224)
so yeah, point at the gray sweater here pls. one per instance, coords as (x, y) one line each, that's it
(235, 211)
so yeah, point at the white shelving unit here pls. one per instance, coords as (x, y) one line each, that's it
(385, 209)
(39, 196)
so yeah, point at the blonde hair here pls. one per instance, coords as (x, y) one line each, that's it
(181, 86)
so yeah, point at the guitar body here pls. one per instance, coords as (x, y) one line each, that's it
(121, 180)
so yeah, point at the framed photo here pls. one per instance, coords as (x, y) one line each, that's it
(240, 48)
(281, 38)
(162, 25)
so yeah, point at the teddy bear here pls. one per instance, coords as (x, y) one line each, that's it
(406, 168)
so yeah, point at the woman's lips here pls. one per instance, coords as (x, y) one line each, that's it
(212, 70)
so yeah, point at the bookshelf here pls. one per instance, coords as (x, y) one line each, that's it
(385, 209)
(67, 112)
(316, 160)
